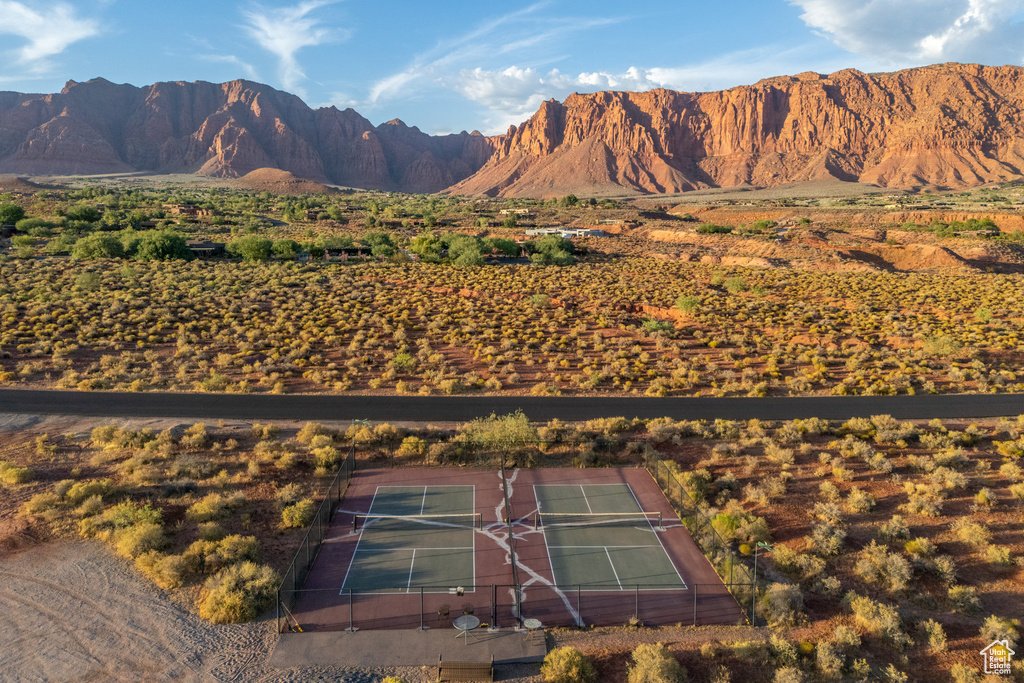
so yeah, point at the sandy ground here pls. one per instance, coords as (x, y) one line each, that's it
(74, 613)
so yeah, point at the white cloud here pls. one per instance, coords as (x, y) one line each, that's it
(247, 68)
(284, 31)
(917, 31)
(49, 30)
(514, 94)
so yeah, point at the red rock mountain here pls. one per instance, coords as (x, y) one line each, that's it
(948, 125)
(226, 130)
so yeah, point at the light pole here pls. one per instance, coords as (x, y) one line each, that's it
(753, 586)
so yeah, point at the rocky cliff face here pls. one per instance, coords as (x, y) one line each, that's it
(948, 125)
(226, 130)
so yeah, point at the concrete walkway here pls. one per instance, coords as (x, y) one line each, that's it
(369, 649)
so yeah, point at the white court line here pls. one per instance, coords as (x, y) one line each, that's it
(604, 546)
(412, 565)
(610, 563)
(354, 551)
(423, 504)
(585, 499)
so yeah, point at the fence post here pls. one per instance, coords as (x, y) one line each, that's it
(636, 608)
(351, 620)
(579, 608)
(421, 609)
(696, 587)
(494, 606)
(279, 629)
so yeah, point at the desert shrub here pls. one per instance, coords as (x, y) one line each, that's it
(195, 437)
(211, 531)
(166, 571)
(93, 505)
(310, 430)
(859, 501)
(204, 556)
(214, 505)
(963, 598)
(999, 555)
(964, 674)
(12, 474)
(986, 497)
(999, 628)
(81, 490)
(971, 532)
(934, 634)
(567, 665)
(878, 619)
(877, 565)
(327, 457)
(895, 529)
(393, 679)
(788, 674)
(238, 593)
(846, 637)
(412, 446)
(798, 566)
(132, 541)
(298, 515)
(829, 661)
(40, 503)
(653, 663)
(827, 540)
(782, 604)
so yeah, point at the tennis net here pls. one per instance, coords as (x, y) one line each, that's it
(548, 520)
(468, 520)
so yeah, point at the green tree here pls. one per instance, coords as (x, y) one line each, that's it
(552, 250)
(285, 249)
(250, 248)
(161, 245)
(427, 246)
(83, 212)
(10, 214)
(97, 245)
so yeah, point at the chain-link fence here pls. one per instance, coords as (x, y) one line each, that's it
(734, 572)
(295, 576)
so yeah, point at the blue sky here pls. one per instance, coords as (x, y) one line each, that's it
(446, 67)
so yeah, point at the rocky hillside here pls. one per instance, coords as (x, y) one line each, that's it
(948, 125)
(226, 130)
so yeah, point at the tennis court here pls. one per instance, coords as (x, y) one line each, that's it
(418, 547)
(414, 537)
(598, 537)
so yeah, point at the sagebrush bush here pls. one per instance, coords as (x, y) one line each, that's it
(972, 532)
(13, 475)
(876, 565)
(298, 515)
(567, 665)
(136, 539)
(238, 593)
(653, 663)
(782, 604)
(204, 557)
(166, 571)
(878, 618)
(213, 506)
(1000, 628)
(788, 674)
(963, 598)
(934, 634)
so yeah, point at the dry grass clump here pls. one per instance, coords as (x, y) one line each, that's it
(13, 475)
(238, 593)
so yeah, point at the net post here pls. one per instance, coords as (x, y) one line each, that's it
(661, 521)
(536, 521)
(696, 588)
(355, 522)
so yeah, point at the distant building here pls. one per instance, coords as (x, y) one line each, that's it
(190, 210)
(345, 254)
(205, 249)
(515, 212)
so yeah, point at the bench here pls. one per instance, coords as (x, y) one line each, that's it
(465, 671)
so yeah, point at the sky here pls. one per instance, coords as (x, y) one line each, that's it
(446, 67)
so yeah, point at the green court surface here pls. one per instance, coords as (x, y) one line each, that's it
(403, 555)
(603, 553)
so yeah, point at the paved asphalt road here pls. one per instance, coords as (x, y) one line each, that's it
(463, 408)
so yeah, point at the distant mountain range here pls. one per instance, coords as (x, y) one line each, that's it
(948, 125)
